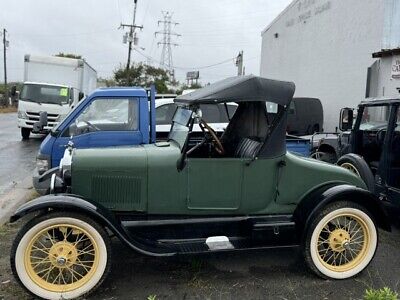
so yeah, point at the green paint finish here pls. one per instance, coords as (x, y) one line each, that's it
(145, 178)
(114, 177)
(211, 189)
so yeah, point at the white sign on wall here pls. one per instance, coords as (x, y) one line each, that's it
(396, 67)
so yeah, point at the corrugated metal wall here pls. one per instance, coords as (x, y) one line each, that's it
(391, 34)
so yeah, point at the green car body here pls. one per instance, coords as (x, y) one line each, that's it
(240, 191)
(145, 179)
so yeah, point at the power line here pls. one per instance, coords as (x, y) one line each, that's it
(166, 54)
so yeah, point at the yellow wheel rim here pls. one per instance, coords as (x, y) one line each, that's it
(343, 242)
(61, 258)
(351, 168)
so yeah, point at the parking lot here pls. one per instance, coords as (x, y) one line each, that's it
(275, 274)
(269, 274)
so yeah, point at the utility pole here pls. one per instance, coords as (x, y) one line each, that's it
(131, 38)
(166, 54)
(239, 63)
(5, 45)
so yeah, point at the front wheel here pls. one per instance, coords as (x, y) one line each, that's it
(340, 241)
(25, 132)
(61, 255)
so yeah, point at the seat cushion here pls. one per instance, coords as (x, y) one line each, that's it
(247, 148)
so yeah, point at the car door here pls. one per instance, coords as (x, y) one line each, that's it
(114, 122)
(214, 183)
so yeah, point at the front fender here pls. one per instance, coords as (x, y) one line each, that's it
(97, 212)
(317, 199)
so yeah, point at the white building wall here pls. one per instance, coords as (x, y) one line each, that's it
(325, 47)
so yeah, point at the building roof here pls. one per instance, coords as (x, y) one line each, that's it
(242, 89)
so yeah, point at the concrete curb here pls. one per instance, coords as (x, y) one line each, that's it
(21, 193)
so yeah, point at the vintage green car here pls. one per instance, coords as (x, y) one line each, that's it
(240, 191)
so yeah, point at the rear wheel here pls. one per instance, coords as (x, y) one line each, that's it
(358, 166)
(25, 132)
(61, 256)
(340, 241)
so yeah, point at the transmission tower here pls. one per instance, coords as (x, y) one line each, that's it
(166, 54)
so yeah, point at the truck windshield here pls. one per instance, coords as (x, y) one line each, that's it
(180, 126)
(374, 118)
(41, 93)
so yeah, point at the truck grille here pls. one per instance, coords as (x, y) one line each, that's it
(34, 117)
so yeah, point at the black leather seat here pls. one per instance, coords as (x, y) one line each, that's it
(247, 148)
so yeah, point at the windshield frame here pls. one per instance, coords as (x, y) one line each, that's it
(360, 115)
(183, 118)
(59, 88)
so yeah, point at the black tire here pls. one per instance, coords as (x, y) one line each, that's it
(25, 132)
(312, 252)
(36, 222)
(355, 162)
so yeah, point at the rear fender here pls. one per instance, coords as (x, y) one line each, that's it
(312, 204)
(98, 213)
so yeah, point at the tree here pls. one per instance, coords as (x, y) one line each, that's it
(193, 86)
(144, 75)
(68, 55)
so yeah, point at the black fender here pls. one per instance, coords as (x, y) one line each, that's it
(322, 196)
(100, 214)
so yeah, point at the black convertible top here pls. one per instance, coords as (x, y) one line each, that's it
(248, 88)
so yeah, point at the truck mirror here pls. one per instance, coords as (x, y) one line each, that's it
(38, 126)
(81, 96)
(13, 91)
(346, 119)
(73, 129)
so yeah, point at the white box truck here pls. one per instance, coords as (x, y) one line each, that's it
(52, 87)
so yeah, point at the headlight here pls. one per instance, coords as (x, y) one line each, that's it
(42, 165)
(22, 115)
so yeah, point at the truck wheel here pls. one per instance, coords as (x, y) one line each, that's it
(358, 166)
(324, 156)
(61, 255)
(340, 241)
(25, 132)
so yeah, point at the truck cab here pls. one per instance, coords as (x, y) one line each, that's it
(107, 117)
(56, 100)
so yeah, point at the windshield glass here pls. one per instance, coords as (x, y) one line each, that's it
(180, 126)
(374, 118)
(41, 93)
(55, 128)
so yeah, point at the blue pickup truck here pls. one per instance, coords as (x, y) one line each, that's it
(122, 116)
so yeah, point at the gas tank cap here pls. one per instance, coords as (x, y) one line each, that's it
(162, 144)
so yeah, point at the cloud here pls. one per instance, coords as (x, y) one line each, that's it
(212, 32)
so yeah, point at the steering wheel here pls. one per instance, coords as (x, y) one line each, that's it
(215, 140)
(92, 126)
(380, 136)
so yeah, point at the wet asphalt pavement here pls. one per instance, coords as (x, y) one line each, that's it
(17, 157)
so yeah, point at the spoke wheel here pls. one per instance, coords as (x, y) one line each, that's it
(351, 168)
(61, 256)
(341, 240)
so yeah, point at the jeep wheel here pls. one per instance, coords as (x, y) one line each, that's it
(358, 166)
(61, 256)
(340, 241)
(25, 132)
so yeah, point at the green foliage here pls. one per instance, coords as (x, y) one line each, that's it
(144, 75)
(381, 294)
(68, 55)
(193, 86)
(152, 297)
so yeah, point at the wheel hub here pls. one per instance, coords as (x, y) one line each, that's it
(339, 240)
(63, 254)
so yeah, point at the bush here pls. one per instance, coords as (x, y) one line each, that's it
(381, 294)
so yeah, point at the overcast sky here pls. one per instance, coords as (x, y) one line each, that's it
(213, 31)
